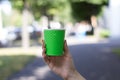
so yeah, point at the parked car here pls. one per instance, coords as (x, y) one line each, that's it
(17, 31)
(11, 34)
(34, 32)
(3, 38)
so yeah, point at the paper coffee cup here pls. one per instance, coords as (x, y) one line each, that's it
(54, 41)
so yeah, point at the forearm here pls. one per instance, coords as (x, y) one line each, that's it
(75, 76)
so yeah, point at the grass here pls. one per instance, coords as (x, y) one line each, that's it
(116, 51)
(11, 64)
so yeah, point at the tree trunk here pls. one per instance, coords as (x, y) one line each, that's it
(25, 33)
(0, 23)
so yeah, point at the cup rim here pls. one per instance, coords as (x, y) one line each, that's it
(54, 29)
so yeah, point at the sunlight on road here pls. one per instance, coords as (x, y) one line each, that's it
(85, 40)
(20, 51)
(42, 72)
(39, 73)
(27, 78)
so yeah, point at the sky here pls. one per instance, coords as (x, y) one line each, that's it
(6, 7)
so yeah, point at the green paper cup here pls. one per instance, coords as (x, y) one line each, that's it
(54, 41)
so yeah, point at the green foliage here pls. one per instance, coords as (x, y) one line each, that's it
(16, 18)
(6, 19)
(96, 2)
(11, 64)
(17, 4)
(83, 10)
(50, 8)
(59, 8)
(104, 33)
(62, 9)
(13, 19)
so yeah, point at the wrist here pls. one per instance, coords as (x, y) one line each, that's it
(74, 75)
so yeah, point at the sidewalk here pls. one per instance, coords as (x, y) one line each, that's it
(37, 50)
(70, 41)
(83, 40)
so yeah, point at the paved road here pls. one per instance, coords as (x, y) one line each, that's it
(93, 61)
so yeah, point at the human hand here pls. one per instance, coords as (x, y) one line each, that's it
(62, 65)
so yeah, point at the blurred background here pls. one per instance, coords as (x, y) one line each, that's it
(92, 33)
(22, 21)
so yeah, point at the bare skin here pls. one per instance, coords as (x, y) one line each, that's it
(62, 65)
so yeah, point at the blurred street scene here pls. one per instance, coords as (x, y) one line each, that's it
(91, 30)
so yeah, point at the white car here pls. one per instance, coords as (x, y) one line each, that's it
(6, 36)
(3, 37)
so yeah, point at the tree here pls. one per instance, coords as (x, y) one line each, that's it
(24, 8)
(38, 8)
(96, 2)
(49, 8)
(25, 33)
(84, 9)
(63, 9)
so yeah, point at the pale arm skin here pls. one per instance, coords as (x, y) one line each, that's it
(62, 65)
